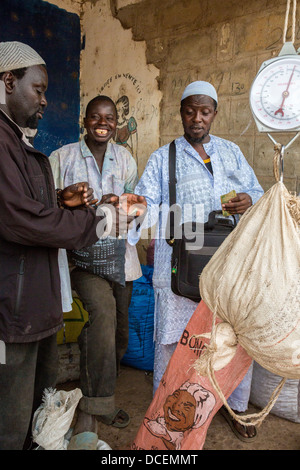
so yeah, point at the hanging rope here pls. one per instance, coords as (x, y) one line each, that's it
(293, 203)
(276, 161)
(287, 20)
(204, 366)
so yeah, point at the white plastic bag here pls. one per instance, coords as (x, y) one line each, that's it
(52, 420)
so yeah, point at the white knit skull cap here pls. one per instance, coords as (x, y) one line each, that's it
(200, 88)
(16, 55)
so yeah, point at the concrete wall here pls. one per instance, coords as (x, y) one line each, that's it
(73, 6)
(113, 64)
(224, 42)
(149, 50)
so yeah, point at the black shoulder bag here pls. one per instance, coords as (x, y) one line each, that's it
(193, 243)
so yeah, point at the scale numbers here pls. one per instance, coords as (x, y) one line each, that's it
(275, 94)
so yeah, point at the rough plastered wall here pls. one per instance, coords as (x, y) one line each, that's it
(115, 65)
(224, 42)
(73, 6)
(149, 50)
(112, 63)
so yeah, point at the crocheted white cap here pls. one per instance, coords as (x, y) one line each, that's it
(200, 88)
(16, 55)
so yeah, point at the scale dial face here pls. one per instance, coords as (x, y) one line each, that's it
(275, 94)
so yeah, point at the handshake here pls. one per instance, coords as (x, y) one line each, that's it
(117, 212)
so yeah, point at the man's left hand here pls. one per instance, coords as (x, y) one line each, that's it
(133, 205)
(126, 208)
(78, 194)
(238, 204)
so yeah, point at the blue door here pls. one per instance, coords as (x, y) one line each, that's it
(55, 34)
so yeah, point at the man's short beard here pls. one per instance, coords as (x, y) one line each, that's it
(32, 122)
(197, 140)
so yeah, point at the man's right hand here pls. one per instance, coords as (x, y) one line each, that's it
(78, 194)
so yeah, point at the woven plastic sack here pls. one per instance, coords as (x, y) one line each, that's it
(185, 402)
(264, 382)
(74, 321)
(140, 350)
(52, 420)
(253, 284)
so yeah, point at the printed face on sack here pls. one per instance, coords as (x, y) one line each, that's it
(179, 411)
(197, 114)
(189, 407)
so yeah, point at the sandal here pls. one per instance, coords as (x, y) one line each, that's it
(119, 419)
(231, 421)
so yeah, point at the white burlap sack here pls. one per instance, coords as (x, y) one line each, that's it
(253, 284)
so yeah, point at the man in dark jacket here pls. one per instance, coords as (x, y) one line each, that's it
(33, 227)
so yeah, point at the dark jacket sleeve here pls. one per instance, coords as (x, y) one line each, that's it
(29, 221)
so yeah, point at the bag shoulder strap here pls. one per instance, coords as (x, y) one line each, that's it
(172, 173)
(172, 185)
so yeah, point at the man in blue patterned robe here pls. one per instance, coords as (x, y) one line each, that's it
(207, 167)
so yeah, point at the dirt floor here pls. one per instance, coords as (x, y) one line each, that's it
(134, 394)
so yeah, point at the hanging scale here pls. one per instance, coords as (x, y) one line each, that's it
(275, 94)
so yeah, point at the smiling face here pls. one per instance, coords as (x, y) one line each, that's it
(25, 97)
(197, 114)
(179, 411)
(100, 122)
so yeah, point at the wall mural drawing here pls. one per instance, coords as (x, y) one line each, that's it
(126, 90)
(126, 133)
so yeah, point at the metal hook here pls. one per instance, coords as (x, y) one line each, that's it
(283, 148)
